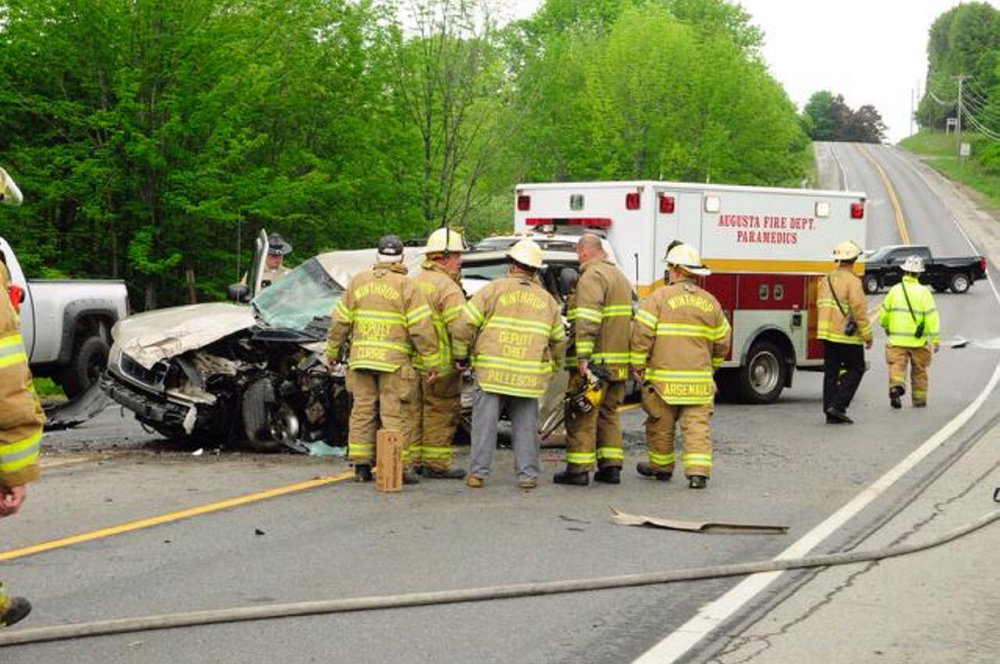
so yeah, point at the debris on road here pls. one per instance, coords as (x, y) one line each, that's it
(626, 519)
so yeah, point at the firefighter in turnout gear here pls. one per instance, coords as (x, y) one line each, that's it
(387, 320)
(911, 323)
(514, 330)
(679, 337)
(441, 400)
(21, 417)
(600, 312)
(842, 324)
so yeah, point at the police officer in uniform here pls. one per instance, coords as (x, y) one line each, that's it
(842, 324)
(911, 321)
(274, 268)
(21, 417)
(679, 337)
(386, 319)
(441, 400)
(514, 330)
(600, 311)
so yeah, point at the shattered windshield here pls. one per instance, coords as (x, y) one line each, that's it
(292, 302)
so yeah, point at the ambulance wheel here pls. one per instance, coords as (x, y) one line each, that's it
(872, 284)
(762, 377)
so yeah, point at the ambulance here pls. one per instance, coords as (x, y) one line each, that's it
(767, 249)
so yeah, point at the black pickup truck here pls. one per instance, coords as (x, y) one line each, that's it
(883, 268)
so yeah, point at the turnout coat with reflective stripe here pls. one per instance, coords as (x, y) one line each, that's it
(830, 321)
(386, 317)
(21, 415)
(516, 335)
(600, 310)
(894, 315)
(679, 336)
(446, 299)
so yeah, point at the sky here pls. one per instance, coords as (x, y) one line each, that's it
(870, 51)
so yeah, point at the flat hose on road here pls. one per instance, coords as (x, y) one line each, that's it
(169, 621)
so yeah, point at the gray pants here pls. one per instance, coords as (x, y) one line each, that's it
(523, 413)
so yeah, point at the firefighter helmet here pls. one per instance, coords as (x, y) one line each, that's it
(686, 257)
(445, 241)
(847, 250)
(588, 395)
(9, 193)
(527, 253)
(913, 264)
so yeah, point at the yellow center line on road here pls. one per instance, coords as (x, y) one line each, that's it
(173, 516)
(904, 236)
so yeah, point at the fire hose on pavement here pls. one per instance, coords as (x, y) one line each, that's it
(239, 614)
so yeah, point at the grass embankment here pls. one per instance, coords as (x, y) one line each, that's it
(940, 151)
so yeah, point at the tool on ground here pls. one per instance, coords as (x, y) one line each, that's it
(626, 519)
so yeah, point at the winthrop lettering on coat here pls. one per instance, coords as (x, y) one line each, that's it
(377, 288)
(685, 300)
(522, 297)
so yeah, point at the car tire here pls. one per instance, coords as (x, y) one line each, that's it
(959, 282)
(762, 377)
(89, 360)
(871, 283)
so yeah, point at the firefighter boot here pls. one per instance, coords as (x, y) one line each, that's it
(575, 479)
(363, 472)
(410, 477)
(446, 474)
(894, 396)
(609, 475)
(646, 470)
(14, 609)
(697, 482)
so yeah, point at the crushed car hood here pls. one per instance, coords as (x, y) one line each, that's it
(158, 335)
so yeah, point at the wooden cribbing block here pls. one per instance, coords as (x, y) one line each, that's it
(388, 460)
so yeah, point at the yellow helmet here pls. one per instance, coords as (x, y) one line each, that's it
(588, 396)
(445, 241)
(846, 251)
(686, 257)
(9, 193)
(527, 253)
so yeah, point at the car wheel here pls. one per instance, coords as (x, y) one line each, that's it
(90, 358)
(959, 282)
(762, 377)
(871, 283)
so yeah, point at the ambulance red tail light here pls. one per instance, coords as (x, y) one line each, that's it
(667, 204)
(632, 201)
(523, 202)
(858, 210)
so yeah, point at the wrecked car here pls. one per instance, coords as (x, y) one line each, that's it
(221, 373)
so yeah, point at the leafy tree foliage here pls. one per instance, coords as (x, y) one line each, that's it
(153, 139)
(829, 118)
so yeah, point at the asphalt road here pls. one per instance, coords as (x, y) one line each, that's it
(778, 464)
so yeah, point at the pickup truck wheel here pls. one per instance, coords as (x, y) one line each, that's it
(762, 378)
(90, 358)
(871, 283)
(959, 282)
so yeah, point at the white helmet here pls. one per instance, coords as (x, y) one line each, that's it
(913, 264)
(9, 193)
(846, 251)
(445, 241)
(685, 257)
(527, 253)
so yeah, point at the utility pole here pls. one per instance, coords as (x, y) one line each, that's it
(958, 126)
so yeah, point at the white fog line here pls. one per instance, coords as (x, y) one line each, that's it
(709, 617)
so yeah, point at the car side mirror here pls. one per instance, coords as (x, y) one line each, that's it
(238, 292)
(567, 280)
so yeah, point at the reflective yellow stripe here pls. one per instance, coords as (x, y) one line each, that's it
(474, 314)
(646, 318)
(368, 314)
(519, 324)
(392, 345)
(661, 459)
(612, 453)
(374, 365)
(451, 313)
(581, 458)
(20, 454)
(436, 453)
(617, 310)
(12, 349)
(417, 315)
(515, 366)
(612, 358)
(686, 330)
(588, 313)
(345, 315)
(697, 459)
(500, 388)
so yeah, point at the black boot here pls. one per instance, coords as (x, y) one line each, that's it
(697, 482)
(410, 477)
(646, 470)
(895, 392)
(17, 609)
(609, 475)
(447, 474)
(576, 479)
(837, 416)
(363, 472)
